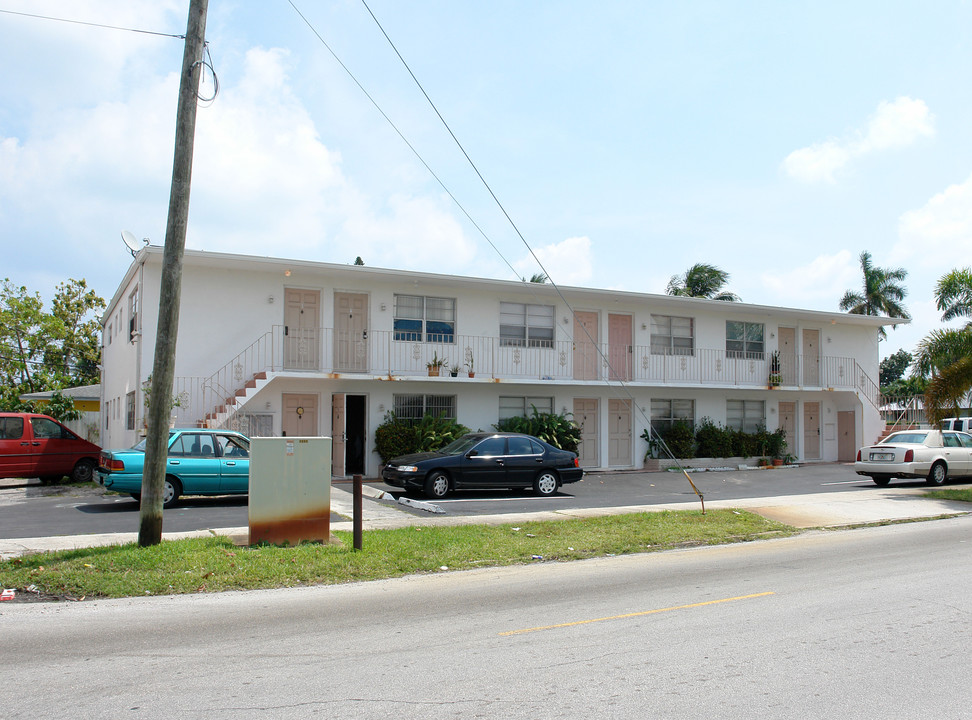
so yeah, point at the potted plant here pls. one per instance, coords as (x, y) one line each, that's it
(470, 365)
(775, 373)
(454, 371)
(434, 365)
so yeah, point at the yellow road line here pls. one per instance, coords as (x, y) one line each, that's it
(637, 614)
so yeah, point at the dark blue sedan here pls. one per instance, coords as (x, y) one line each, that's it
(485, 460)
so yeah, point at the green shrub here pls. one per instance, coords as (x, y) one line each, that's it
(397, 436)
(713, 441)
(553, 428)
(680, 440)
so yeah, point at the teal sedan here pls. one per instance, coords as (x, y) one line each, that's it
(199, 462)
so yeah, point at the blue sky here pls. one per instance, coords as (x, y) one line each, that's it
(627, 140)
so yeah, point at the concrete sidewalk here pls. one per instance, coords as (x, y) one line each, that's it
(839, 509)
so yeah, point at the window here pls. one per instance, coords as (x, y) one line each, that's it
(665, 413)
(109, 333)
(430, 318)
(523, 406)
(672, 335)
(230, 446)
(193, 445)
(130, 410)
(746, 415)
(519, 445)
(11, 428)
(45, 429)
(526, 325)
(133, 314)
(415, 407)
(744, 339)
(491, 447)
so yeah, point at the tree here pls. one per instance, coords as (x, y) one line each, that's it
(894, 366)
(358, 261)
(702, 281)
(882, 293)
(540, 278)
(946, 355)
(43, 350)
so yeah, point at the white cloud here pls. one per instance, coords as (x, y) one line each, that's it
(826, 279)
(568, 262)
(939, 233)
(893, 125)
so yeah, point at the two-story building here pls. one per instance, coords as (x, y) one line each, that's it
(273, 346)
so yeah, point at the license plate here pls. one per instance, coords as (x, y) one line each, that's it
(882, 456)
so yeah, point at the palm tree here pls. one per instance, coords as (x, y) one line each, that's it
(882, 294)
(702, 281)
(947, 354)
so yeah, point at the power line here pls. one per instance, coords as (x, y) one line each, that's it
(91, 24)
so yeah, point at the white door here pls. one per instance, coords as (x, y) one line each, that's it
(585, 349)
(811, 430)
(619, 433)
(811, 358)
(585, 415)
(299, 415)
(302, 322)
(337, 435)
(350, 332)
(788, 355)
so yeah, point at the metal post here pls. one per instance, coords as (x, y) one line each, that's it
(357, 512)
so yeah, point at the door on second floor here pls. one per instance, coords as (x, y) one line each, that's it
(585, 348)
(811, 358)
(350, 332)
(302, 322)
(788, 355)
(620, 351)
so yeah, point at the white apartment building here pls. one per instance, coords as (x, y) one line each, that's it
(274, 346)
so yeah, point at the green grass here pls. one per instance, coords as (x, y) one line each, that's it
(961, 494)
(215, 564)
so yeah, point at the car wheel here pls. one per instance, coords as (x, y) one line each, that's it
(545, 483)
(170, 492)
(938, 474)
(83, 471)
(880, 480)
(437, 485)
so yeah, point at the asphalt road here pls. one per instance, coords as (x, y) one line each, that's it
(869, 623)
(40, 511)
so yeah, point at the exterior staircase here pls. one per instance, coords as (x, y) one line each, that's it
(222, 414)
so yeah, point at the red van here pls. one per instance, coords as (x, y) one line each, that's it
(34, 445)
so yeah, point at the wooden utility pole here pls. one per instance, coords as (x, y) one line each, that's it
(163, 370)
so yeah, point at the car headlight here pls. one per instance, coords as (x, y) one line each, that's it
(407, 468)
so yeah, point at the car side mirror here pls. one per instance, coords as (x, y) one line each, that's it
(472, 453)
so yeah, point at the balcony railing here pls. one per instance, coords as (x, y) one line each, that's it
(385, 353)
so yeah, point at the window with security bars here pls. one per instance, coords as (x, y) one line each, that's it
(744, 340)
(425, 319)
(523, 406)
(415, 407)
(672, 335)
(665, 413)
(746, 415)
(523, 325)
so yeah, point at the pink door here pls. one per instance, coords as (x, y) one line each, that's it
(619, 346)
(585, 349)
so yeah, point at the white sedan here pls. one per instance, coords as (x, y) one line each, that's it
(933, 455)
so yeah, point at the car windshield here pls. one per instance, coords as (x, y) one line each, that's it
(462, 445)
(912, 438)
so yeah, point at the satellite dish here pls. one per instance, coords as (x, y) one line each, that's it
(130, 242)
